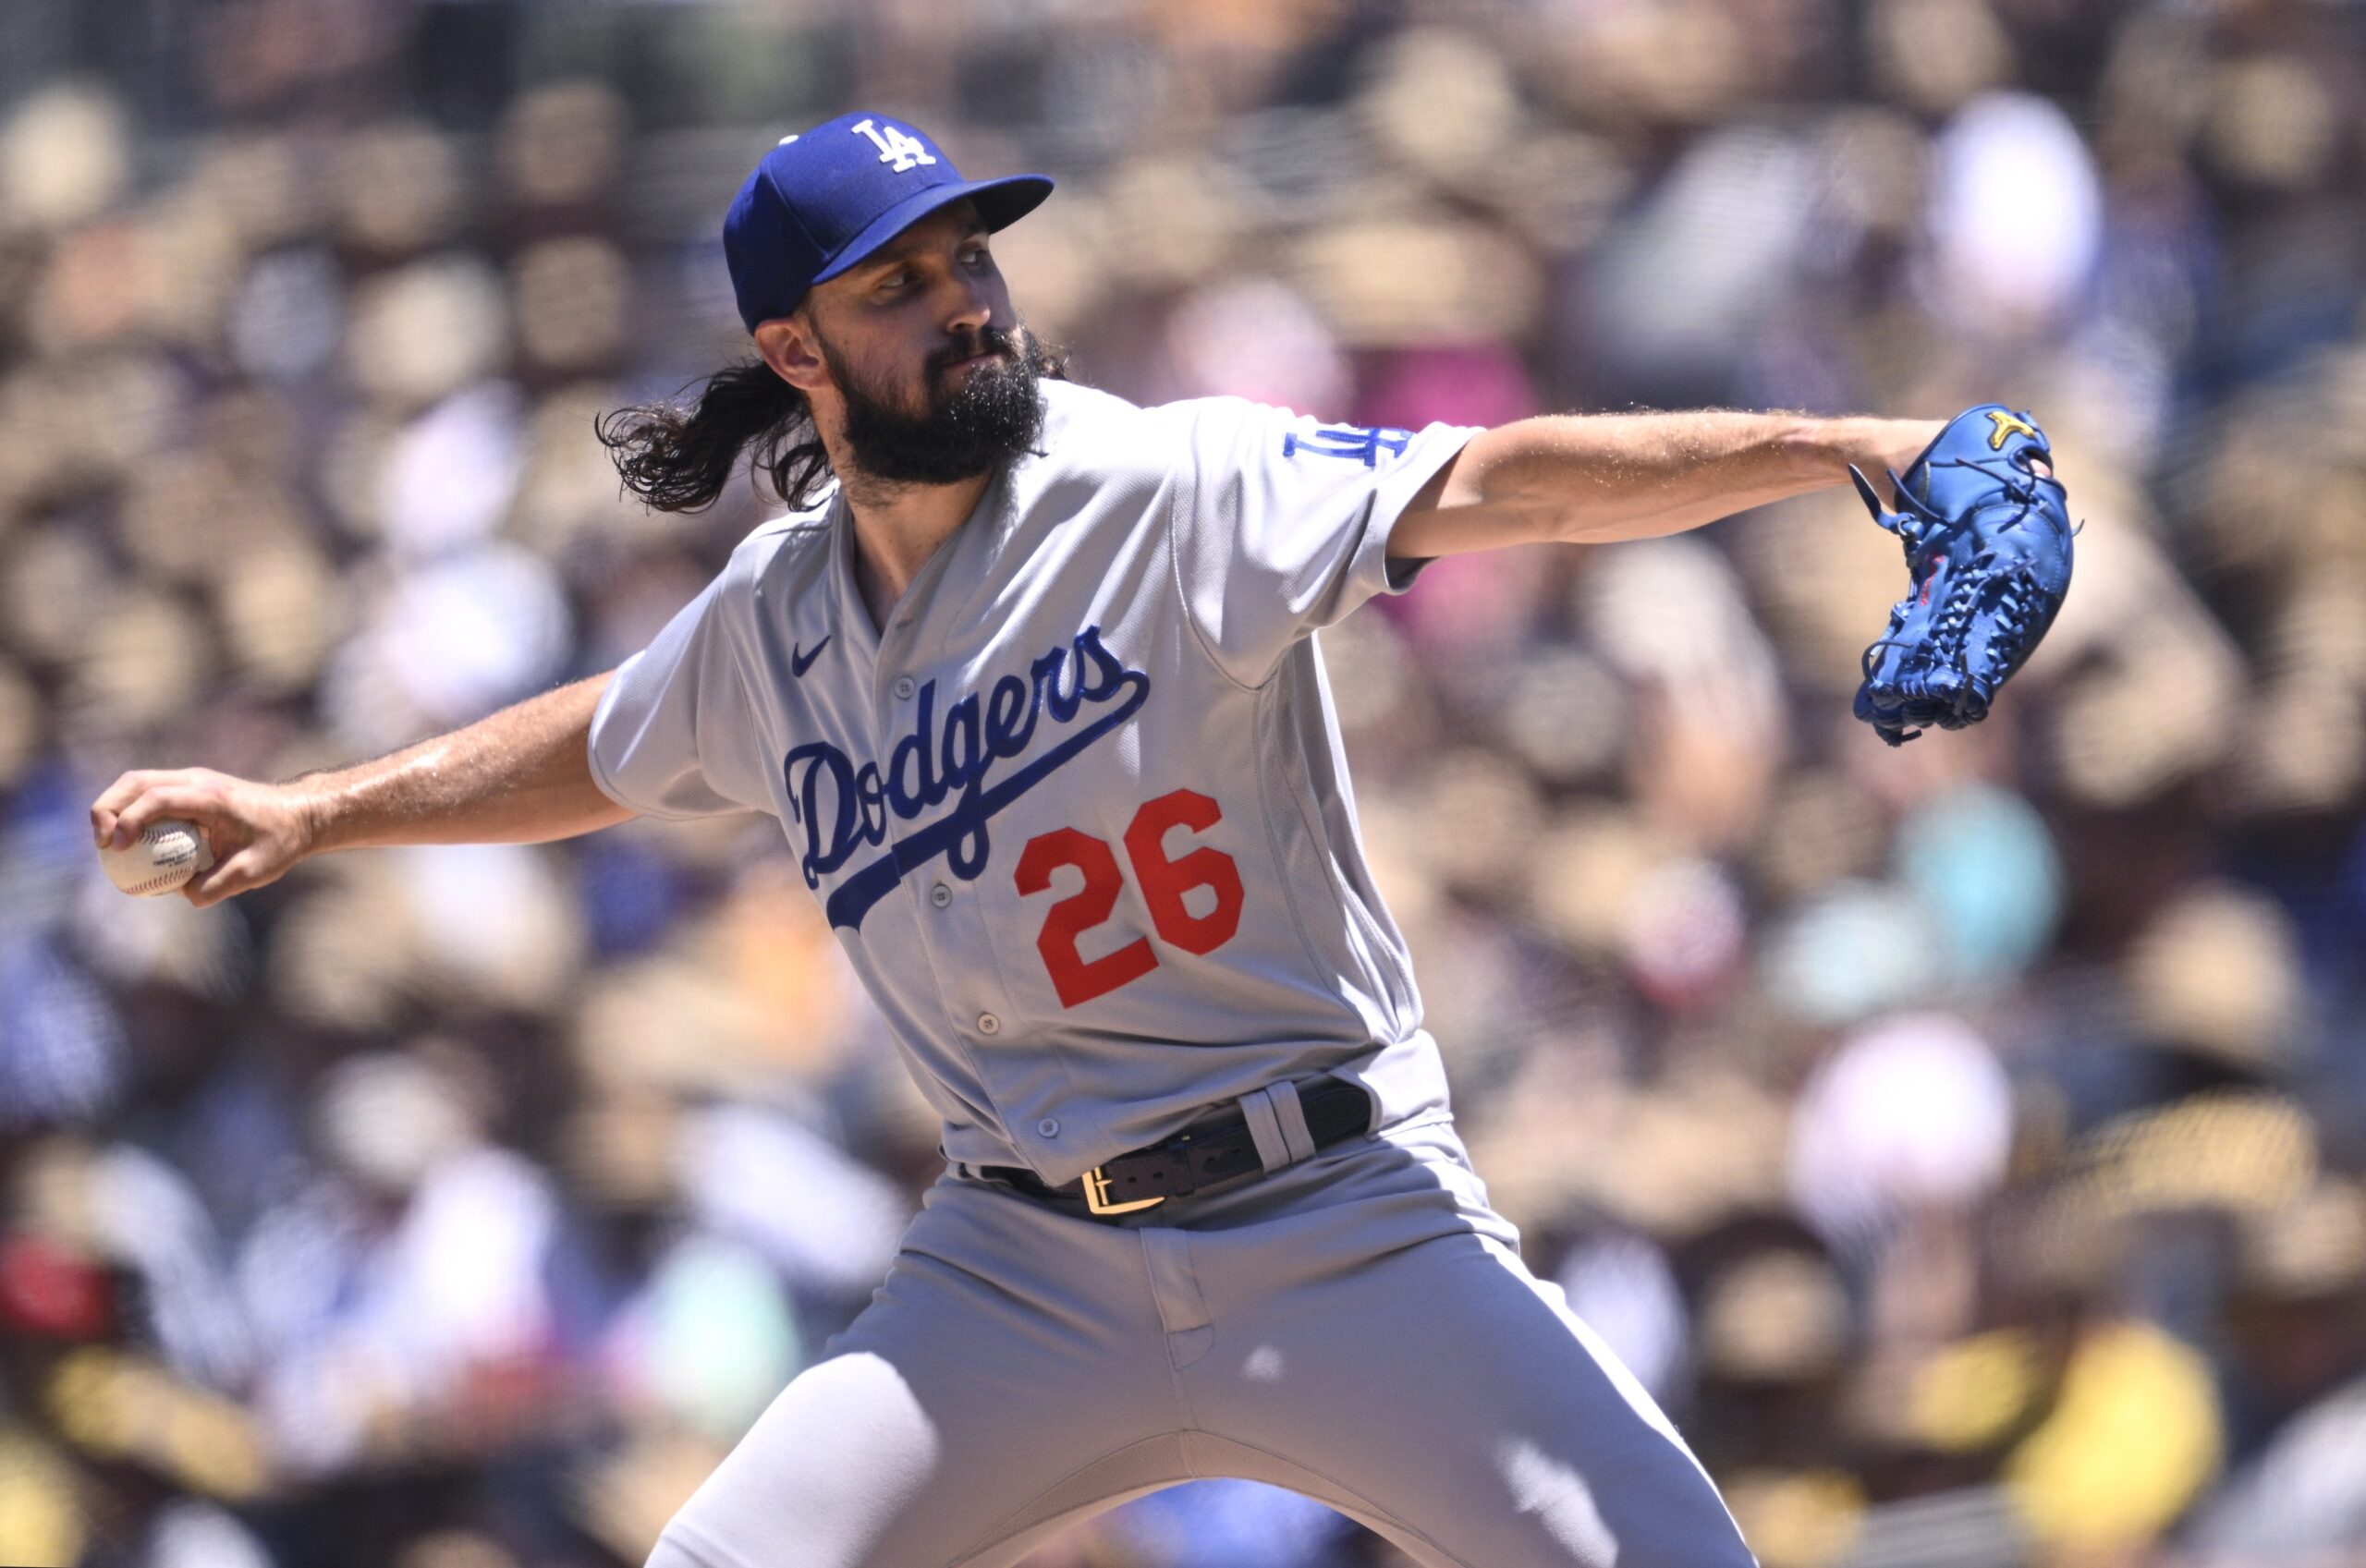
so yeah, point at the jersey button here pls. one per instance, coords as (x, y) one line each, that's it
(988, 1024)
(1049, 1126)
(903, 689)
(940, 896)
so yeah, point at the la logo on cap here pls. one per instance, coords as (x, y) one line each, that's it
(900, 150)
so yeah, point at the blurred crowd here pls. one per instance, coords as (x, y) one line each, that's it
(1966, 1143)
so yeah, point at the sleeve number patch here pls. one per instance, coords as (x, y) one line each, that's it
(1358, 442)
(1166, 887)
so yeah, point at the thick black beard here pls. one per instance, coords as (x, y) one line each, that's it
(995, 416)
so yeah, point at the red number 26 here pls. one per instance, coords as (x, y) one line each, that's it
(1163, 884)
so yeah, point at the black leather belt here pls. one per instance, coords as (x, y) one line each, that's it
(1198, 1156)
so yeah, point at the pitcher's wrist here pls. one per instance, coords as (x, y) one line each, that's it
(314, 800)
(1822, 448)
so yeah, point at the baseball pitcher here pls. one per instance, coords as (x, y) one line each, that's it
(1025, 673)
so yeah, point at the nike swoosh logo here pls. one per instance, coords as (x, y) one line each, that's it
(799, 660)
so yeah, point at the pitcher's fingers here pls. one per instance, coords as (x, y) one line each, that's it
(125, 789)
(163, 801)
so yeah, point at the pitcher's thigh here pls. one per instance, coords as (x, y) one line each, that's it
(1446, 1388)
(950, 1419)
(845, 1461)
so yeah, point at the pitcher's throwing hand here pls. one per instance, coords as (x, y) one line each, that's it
(255, 832)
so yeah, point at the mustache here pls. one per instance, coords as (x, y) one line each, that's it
(985, 340)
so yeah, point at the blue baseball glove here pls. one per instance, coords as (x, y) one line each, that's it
(1987, 538)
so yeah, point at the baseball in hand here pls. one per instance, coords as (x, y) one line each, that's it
(163, 858)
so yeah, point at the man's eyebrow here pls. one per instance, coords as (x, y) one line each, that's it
(905, 248)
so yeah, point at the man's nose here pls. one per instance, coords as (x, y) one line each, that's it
(971, 310)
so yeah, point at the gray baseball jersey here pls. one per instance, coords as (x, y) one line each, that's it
(1079, 813)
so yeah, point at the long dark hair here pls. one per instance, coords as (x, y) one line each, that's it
(679, 458)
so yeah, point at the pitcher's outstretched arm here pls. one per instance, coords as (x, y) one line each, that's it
(518, 776)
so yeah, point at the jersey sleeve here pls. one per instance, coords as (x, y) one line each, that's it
(675, 734)
(1282, 524)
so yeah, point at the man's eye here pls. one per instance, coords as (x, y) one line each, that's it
(977, 257)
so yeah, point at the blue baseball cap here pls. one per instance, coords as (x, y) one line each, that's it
(822, 200)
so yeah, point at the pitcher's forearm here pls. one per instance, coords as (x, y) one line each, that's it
(519, 777)
(1598, 477)
(1632, 476)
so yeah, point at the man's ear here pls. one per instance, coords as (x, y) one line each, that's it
(789, 346)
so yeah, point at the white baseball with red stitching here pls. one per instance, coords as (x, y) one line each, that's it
(165, 856)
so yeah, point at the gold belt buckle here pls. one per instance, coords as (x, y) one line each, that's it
(1096, 1196)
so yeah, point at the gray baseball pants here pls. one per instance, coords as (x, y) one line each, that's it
(1358, 1328)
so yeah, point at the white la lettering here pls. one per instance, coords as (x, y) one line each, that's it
(900, 152)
